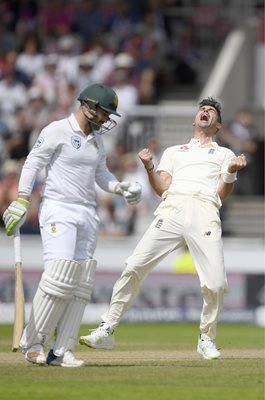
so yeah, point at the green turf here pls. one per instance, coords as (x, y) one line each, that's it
(109, 375)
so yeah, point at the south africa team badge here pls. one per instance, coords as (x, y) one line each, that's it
(76, 142)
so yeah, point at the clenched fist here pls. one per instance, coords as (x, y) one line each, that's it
(237, 163)
(146, 157)
(15, 215)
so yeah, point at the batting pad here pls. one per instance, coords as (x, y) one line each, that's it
(55, 290)
(68, 327)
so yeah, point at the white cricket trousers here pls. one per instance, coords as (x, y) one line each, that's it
(68, 231)
(190, 221)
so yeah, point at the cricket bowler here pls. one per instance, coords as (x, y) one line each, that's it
(192, 180)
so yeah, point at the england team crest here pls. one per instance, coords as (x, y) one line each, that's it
(76, 142)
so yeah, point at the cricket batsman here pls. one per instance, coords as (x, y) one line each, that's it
(72, 153)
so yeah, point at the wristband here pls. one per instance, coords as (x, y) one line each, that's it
(229, 177)
(22, 201)
(150, 169)
(112, 186)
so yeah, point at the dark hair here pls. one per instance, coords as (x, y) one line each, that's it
(210, 101)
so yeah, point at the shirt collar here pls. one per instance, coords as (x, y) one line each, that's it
(74, 124)
(196, 143)
(76, 128)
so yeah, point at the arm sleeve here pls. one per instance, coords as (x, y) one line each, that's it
(166, 163)
(104, 178)
(228, 156)
(37, 159)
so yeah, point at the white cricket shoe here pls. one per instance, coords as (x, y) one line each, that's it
(67, 360)
(206, 347)
(100, 338)
(36, 355)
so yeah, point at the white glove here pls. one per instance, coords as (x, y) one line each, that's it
(130, 191)
(15, 215)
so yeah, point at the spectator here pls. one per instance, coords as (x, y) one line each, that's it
(240, 136)
(66, 103)
(116, 219)
(37, 113)
(30, 61)
(56, 17)
(49, 81)
(120, 23)
(104, 60)
(68, 48)
(11, 66)
(147, 90)
(127, 93)
(86, 63)
(5, 143)
(8, 184)
(88, 20)
(13, 93)
(19, 147)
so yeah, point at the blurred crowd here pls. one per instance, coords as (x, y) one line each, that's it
(51, 50)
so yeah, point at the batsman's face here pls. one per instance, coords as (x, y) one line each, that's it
(101, 116)
(207, 117)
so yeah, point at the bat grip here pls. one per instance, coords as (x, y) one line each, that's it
(17, 247)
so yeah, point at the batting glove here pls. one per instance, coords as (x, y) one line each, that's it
(130, 191)
(15, 215)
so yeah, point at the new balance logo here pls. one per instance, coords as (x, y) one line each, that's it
(159, 223)
(208, 233)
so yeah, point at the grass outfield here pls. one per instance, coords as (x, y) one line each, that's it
(150, 361)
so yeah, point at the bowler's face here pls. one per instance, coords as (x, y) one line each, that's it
(207, 117)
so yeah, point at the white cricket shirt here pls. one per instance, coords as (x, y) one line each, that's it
(195, 169)
(73, 162)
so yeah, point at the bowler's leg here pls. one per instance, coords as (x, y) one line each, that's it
(156, 243)
(205, 245)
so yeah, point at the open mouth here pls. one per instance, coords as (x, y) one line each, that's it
(204, 117)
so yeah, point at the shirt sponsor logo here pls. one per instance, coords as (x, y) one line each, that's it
(159, 223)
(39, 142)
(53, 228)
(76, 142)
(183, 148)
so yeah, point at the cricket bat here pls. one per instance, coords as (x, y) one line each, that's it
(19, 320)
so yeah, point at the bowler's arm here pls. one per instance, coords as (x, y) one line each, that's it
(159, 182)
(225, 187)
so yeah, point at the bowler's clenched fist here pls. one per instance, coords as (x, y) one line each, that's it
(146, 157)
(237, 163)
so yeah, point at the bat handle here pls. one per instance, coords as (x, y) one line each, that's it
(17, 246)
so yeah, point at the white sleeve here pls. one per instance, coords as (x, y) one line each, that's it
(166, 163)
(38, 158)
(104, 178)
(228, 156)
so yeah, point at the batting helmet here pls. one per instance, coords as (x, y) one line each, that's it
(100, 96)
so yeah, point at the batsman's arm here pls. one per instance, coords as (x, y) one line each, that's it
(159, 182)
